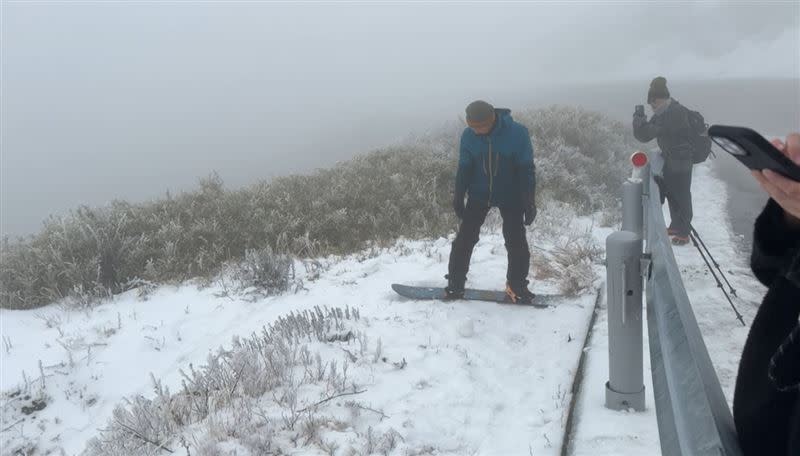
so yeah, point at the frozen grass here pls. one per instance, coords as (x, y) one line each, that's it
(191, 372)
(371, 200)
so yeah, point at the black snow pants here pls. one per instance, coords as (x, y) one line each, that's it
(676, 188)
(519, 255)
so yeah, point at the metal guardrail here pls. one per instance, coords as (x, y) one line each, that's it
(693, 415)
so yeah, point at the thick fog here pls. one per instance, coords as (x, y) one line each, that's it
(129, 99)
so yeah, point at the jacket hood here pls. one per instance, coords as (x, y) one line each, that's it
(503, 119)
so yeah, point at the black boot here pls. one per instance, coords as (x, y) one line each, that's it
(454, 288)
(519, 293)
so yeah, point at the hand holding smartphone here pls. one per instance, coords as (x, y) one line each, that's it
(778, 174)
(753, 150)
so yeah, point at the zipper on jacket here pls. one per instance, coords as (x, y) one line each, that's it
(491, 173)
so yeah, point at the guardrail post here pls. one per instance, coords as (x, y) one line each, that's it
(625, 386)
(633, 206)
(645, 177)
(635, 192)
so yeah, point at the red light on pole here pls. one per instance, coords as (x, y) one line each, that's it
(639, 159)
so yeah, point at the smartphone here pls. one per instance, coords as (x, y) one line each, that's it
(753, 150)
(639, 110)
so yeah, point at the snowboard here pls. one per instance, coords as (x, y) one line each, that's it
(500, 297)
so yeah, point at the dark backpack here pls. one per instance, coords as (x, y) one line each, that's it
(698, 137)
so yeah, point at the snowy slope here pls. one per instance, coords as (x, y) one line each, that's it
(605, 432)
(451, 378)
(477, 378)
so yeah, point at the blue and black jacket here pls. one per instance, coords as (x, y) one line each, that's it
(497, 169)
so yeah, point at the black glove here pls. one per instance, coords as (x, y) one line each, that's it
(528, 208)
(458, 204)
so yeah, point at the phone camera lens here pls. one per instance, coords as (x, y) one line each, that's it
(730, 146)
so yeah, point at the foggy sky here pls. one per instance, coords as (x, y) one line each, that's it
(127, 100)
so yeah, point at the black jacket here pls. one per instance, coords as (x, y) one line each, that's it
(766, 403)
(671, 130)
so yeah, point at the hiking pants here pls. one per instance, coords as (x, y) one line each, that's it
(676, 188)
(519, 256)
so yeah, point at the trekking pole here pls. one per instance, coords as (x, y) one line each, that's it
(695, 236)
(703, 244)
(713, 260)
(716, 278)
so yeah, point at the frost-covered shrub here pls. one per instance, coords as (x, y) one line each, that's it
(371, 200)
(581, 156)
(264, 271)
(243, 395)
(90, 253)
(570, 261)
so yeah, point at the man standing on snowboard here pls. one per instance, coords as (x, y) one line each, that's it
(495, 169)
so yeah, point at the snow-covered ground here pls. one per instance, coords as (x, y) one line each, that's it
(455, 378)
(600, 431)
(451, 378)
